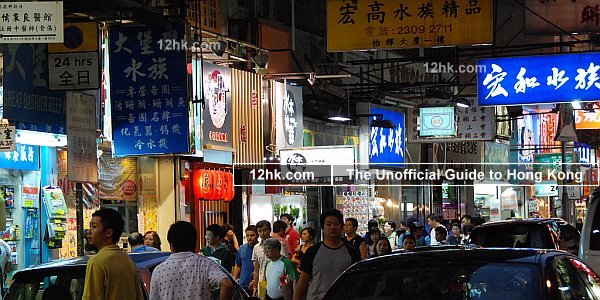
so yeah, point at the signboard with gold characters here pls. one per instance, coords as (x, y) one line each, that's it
(389, 24)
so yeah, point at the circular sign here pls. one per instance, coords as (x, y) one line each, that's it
(216, 97)
(128, 187)
(437, 121)
(73, 37)
(289, 117)
(296, 163)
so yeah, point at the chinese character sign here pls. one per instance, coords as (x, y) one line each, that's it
(389, 24)
(149, 104)
(539, 79)
(587, 120)
(31, 22)
(81, 138)
(558, 16)
(25, 157)
(216, 84)
(387, 146)
(288, 116)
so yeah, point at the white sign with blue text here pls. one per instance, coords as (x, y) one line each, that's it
(387, 146)
(539, 79)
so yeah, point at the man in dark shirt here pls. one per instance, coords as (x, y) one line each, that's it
(326, 260)
(354, 240)
(217, 249)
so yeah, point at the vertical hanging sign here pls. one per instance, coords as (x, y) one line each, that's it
(148, 91)
(82, 161)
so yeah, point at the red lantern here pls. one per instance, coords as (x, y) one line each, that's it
(211, 185)
(201, 183)
(231, 187)
(226, 185)
(219, 185)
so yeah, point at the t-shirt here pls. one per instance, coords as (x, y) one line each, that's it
(293, 238)
(324, 265)
(185, 275)
(222, 254)
(354, 242)
(111, 274)
(276, 270)
(143, 249)
(258, 254)
(244, 259)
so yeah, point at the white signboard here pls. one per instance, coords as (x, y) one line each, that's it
(31, 22)
(73, 71)
(7, 139)
(573, 191)
(309, 158)
(81, 138)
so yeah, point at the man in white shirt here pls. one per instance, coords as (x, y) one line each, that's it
(5, 262)
(434, 221)
(259, 259)
(185, 274)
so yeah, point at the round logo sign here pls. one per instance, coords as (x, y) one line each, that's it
(296, 163)
(128, 187)
(437, 121)
(217, 105)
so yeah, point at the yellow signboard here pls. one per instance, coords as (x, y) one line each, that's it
(391, 24)
(79, 37)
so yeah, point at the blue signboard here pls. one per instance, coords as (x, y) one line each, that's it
(538, 79)
(26, 157)
(27, 101)
(149, 105)
(437, 121)
(387, 146)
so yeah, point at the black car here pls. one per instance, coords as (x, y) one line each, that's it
(527, 233)
(67, 276)
(476, 274)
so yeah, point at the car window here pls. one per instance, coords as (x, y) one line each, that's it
(568, 238)
(595, 230)
(571, 286)
(236, 293)
(591, 279)
(513, 236)
(475, 281)
(63, 286)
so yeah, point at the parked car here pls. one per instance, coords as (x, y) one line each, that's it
(476, 274)
(69, 275)
(589, 249)
(527, 233)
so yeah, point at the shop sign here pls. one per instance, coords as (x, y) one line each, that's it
(25, 157)
(73, 71)
(31, 196)
(7, 138)
(548, 126)
(387, 146)
(545, 190)
(31, 22)
(584, 153)
(549, 163)
(149, 102)
(573, 191)
(324, 163)
(388, 24)
(437, 121)
(217, 115)
(538, 79)
(81, 138)
(528, 137)
(254, 99)
(27, 100)
(288, 116)
(117, 178)
(495, 157)
(243, 133)
(587, 120)
(559, 16)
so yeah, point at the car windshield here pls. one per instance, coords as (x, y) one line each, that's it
(64, 284)
(445, 281)
(513, 236)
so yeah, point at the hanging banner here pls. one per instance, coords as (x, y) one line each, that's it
(288, 116)
(559, 16)
(81, 137)
(390, 24)
(387, 146)
(217, 106)
(437, 121)
(27, 101)
(538, 79)
(117, 178)
(148, 85)
(31, 22)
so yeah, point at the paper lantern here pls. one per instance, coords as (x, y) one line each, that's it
(219, 185)
(201, 183)
(211, 185)
(226, 185)
(231, 188)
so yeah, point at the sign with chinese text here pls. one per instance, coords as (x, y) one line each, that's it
(389, 24)
(437, 121)
(587, 120)
(73, 71)
(584, 154)
(495, 156)
(81, 138)
(528, 135)
(7, 138)
(324, 163)
(26, 157)
(149, 105)
(79, 37)
(31, 196)
(217, 108)
(31, 22)
(539, 79)
(387, 146)
(288, 116)
(27, 100)
(548, 125)
(569, 15)
(549, 163)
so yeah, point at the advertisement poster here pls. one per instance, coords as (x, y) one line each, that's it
(117, 178)
(217, 114)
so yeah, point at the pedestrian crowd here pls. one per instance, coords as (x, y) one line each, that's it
(276, 263)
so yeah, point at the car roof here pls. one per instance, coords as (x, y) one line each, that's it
(522, 222)
(455, 256)
(142, 260)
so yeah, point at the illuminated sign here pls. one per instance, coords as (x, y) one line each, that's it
(437, 121)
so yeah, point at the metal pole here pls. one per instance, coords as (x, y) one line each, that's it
(565, 203)
(293, 26)
(79, 208)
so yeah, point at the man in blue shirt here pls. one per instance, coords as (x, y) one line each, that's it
(136, 243)
(244, 266)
